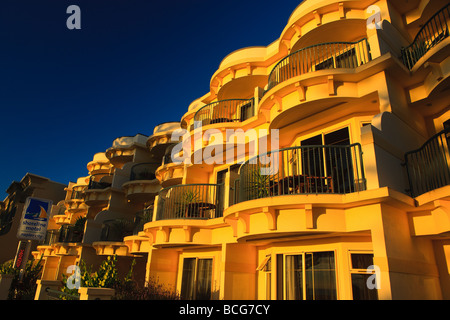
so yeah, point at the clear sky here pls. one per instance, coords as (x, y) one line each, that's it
(67, 94)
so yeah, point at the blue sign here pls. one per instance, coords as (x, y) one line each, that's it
(34, 222)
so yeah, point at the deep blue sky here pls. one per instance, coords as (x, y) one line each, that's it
(67, 94)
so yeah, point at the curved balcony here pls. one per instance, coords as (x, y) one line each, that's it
(124, 148)
(428, 168)
(332, 55)
(170, 174)
(433, 32)
(97, 193)
(336, 169)
(143, 183)
(99, 165)
(75, 202)
(163, 138)
(193, 201)
(225, 111)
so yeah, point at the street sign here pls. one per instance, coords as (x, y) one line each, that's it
(34, 222)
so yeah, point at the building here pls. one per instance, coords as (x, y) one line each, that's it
(30, 185)
(342, 126)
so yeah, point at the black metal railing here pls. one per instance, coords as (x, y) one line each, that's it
(96, 185)
(193, 201)
(432, 32)
(70, 234)
(77, 194)
(144, 171)
(332, 55)
(233, 110)
(141, 218)
(428, 168)
(115, 230)
(335, 169)
(51, 237)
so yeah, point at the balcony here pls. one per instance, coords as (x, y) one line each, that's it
(194, 201)
(225, 111)
(124, 148)
(428, 168)
(333, 55)
(70, 234)
(97, 193)
(336, 169)
(143, 184)
(141, 218)
(433, 32)
(115, 230)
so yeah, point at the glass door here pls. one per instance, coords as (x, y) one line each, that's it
(309, 276)
(196, 279)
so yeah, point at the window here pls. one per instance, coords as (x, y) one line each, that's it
(196, 279)
(336, 164)
(360, 262)
(266, 267)
(307, 276)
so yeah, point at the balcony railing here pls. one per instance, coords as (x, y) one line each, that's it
(235, 110)
(433, 32)
(428, 168)
(77, 194)
(95, 185)
(193, 201)
(144, 171)
(70, 234)
(51, 237)
(331, 55)
(335, 169)
(141, 218)
(115, 230)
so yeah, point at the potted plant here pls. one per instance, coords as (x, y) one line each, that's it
(186, 206)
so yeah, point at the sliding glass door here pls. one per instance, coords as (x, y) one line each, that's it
(196, 279)
(310, 276)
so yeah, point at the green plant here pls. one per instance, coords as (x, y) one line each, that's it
(79, 224)
(8, 268)
(152, 290)
(104, 277)
(26, 289)
(259, 183)
(184, 206)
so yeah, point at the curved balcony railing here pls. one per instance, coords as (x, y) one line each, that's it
(144, 171)
(70, 234)
(432, 32)
(428, 168)
(332, 55)
(233, 110)
(115, 230)
(192, 201)
(335, 169)
(96, 185)
(141, 218)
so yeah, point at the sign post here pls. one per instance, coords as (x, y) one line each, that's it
(33, 226)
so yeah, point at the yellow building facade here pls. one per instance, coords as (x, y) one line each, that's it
(315, 168)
